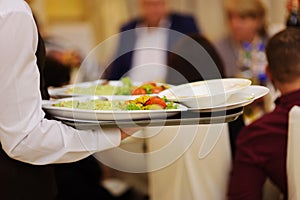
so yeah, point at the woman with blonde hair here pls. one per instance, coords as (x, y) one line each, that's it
(247, 33)
(243, 49)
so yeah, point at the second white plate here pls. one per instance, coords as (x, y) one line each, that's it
(239, 99)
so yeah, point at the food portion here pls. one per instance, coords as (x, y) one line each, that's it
(148, 88)
(126, 88)
(144, 102)
(150, 103)
(104, 89)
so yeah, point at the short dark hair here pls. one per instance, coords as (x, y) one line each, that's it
(283, 54)
(183, 71)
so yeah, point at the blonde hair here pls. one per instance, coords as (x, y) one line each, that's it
(248, 8)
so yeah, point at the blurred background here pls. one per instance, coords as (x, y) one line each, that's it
(86, 23)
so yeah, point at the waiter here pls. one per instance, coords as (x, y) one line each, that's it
(27, 139)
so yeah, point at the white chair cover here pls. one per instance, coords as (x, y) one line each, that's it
(293, 159)
(190, 177)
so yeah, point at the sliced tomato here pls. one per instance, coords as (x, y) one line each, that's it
(150, 83)
(157, 101)
(138, 91)
(157, 89)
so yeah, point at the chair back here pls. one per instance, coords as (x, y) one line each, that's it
(293, 151)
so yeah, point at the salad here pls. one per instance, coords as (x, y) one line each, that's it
(144, 102)
(127, 88)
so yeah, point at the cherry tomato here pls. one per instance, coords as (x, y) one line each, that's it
(157, 101)
(150, 83)
(157, 89)
(138, 91)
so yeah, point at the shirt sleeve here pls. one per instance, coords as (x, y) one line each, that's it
(24, 133)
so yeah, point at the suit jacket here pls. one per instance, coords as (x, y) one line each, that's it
(182, 23)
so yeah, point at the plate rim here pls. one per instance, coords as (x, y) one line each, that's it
(184, 108)
(237, 104)
(178, 99)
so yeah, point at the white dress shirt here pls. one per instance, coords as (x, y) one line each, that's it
(150, 55)
(24, 133)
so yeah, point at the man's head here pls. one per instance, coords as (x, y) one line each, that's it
(283, 54)
(153, 11)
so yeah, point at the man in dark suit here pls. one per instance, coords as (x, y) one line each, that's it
(155, 14)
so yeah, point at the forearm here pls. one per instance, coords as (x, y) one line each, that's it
(53, 142)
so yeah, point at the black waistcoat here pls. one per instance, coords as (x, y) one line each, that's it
(21, 181)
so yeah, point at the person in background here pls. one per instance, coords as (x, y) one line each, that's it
(247, 34)
(29, 142)
(293, 18)
(138, 63)
(61, 60)
(243, 50)
(262, 146)
(153, 29)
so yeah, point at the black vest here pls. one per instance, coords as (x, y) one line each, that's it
(21, 181)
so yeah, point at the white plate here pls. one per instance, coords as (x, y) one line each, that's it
(82, 114)
(209, 93)
(62, 91)
(92, 124)
(79, 120)
(239, 99)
